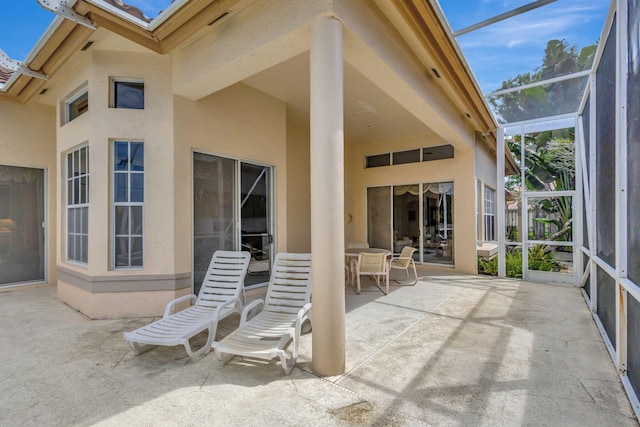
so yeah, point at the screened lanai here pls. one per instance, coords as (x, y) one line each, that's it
(562, 79)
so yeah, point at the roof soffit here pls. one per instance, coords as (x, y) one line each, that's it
(430, 29)
(69, 36)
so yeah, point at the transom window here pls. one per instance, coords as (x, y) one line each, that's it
(127, 93)
(75, 106)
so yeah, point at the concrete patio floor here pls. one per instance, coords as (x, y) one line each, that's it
(453, 350)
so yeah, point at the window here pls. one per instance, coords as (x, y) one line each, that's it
(378, 160)
(127, 94)
(410, 156)
(438, 152)
(128, 204)
(489, 214)
(76, 106)
(78, 205)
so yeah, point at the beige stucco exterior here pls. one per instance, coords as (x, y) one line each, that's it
(27, 139)
(238, 89)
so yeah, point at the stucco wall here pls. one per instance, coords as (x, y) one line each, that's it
(99, 127)
(27, 139)
(298, 184)
(486, 166)
(239, 123)
(459, 170)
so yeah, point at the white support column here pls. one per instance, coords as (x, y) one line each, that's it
(501, 205)
(327, 197)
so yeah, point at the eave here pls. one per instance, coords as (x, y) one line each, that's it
(427, 24)
(69, 37)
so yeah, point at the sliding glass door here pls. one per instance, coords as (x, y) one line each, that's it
(22, 237)
(231, 211)
(416, 215)
(255, 220)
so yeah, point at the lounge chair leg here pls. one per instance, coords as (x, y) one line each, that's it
(287, 364)
(223, 357)
(140, 348)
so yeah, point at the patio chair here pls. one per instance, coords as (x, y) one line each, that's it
(373, 265)
(404, 261)
(221, 294)
(269, 333)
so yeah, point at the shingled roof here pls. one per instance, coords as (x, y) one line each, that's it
(5, 75)
(131, 10)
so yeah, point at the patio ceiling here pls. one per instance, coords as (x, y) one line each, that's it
(370, 114)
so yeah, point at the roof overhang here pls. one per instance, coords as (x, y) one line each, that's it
(64, 37)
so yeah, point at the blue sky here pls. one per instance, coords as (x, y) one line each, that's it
(516, 46)
(495, 53)
(24, 22)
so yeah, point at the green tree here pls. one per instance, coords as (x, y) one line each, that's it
(560, 58)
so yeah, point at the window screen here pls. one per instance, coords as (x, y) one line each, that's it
(605, 151)
(587, 285)
(586, 124)
(607, 304)
(633, 144)
(633, 343)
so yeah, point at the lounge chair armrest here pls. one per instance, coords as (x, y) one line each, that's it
(248, 308)
(233, 301)
(167, 311)
(302, 316)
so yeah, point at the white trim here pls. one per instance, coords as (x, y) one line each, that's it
(560, 118)
(550, 194)
(592, 165)
(539, 83)
(605, 266)
(631, 288)
(621, 184)
(71, 98)
(578, 208)
(74, 206)
(501, 204)
(501, 17)
(551, 243)
(113, 204)
(631, 394)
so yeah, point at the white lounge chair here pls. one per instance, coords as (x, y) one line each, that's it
(221, 294)
(269, 333)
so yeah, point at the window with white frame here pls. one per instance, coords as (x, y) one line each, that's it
(128, 204)
(489, 214)
(76, 105)
(78, 205)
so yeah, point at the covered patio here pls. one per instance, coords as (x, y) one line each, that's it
(470, 351)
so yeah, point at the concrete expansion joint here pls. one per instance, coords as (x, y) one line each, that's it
(333, 383)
